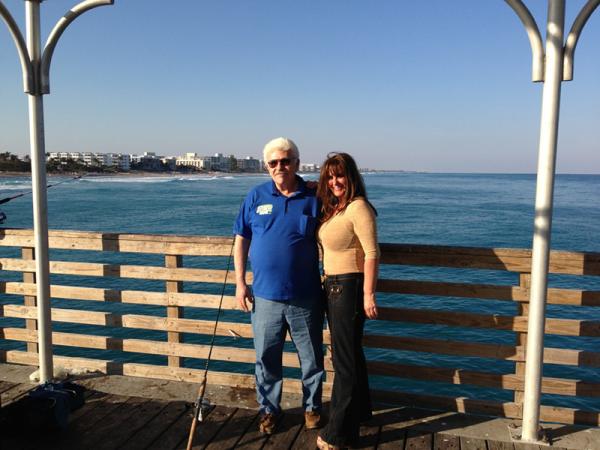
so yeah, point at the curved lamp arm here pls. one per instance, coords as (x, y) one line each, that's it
(535, 39)
(28, 81)
(57, 32)
(573, 37)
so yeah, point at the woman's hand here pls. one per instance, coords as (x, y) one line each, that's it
(370, 306)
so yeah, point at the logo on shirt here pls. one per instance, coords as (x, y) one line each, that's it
(262, 210)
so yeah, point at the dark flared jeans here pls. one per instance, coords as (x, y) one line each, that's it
(350, 398)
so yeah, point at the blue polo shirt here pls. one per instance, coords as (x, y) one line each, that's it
(283, 247)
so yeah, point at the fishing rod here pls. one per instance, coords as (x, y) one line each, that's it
(202, 404)
(12, 197)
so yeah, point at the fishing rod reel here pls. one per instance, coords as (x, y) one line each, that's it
(203, 407)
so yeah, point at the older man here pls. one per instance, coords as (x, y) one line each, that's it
(276, 226)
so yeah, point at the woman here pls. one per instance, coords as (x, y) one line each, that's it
(348, 236)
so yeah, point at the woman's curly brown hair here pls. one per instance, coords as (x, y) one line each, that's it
(343, 165)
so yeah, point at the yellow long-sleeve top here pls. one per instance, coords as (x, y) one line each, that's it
(348, 238)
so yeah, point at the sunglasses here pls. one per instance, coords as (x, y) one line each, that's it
(283, 161)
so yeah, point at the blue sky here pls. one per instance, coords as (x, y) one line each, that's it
(441, 85)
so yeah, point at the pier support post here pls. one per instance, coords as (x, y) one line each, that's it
(35, 65)
(40, 205)
(543, 219)
(552, 67)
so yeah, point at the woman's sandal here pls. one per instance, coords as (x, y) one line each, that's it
(322, 445)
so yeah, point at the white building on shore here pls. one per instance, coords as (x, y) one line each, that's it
(249, 164)
(309, 167)
(117, 160)
(193, 160)
(219, 162)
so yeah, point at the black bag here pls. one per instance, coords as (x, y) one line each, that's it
(45, 408)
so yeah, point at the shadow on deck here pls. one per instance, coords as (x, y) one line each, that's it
(134, 413)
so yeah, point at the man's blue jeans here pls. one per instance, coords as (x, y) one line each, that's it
(270, 322)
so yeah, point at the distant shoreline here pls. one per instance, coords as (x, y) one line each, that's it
(143, 174)
(132, 173)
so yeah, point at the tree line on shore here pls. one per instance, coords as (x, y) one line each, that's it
(12, 163)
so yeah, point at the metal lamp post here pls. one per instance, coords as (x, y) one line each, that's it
(551, 67)
(35, 65)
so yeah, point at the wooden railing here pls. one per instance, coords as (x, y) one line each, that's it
(182, 357)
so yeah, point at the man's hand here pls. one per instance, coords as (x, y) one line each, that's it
(370, 306)
(244, 296)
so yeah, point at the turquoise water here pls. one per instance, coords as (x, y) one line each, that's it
(448, 209)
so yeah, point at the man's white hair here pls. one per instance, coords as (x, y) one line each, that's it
(283, 144)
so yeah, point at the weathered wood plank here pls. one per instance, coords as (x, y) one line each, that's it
(76, 234)
(15, 392)
(462, 257)
(465, 290)
(125, 296)
(569, 415)
(111, 432)
(502, 381)
(6, 385)
(487, 292)
(445, 442)
(123, 271)
(176, 435)
(155, 427)
(59, 315)
(305, 439)
(55, 440)
(252, 439)
(136, 419)
(419, 440)
(115, 242)
(369, 435)
(233, 430)
(91, 399)
(514, 260)
(158, 372)
(458, 404)
(70, 438)
(219, 353)
(498, 445)
(463, 348)
(209, 428)
(391, 437)
(447, 289)
(524, 446)
(469, 443)
(446, 347)
(568, 327)
(287, 430)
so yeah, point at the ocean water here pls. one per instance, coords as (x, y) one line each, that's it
(481, 210)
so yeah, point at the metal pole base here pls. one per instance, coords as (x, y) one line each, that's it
(516, 433)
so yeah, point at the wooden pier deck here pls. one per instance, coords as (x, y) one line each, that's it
(111, 419)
